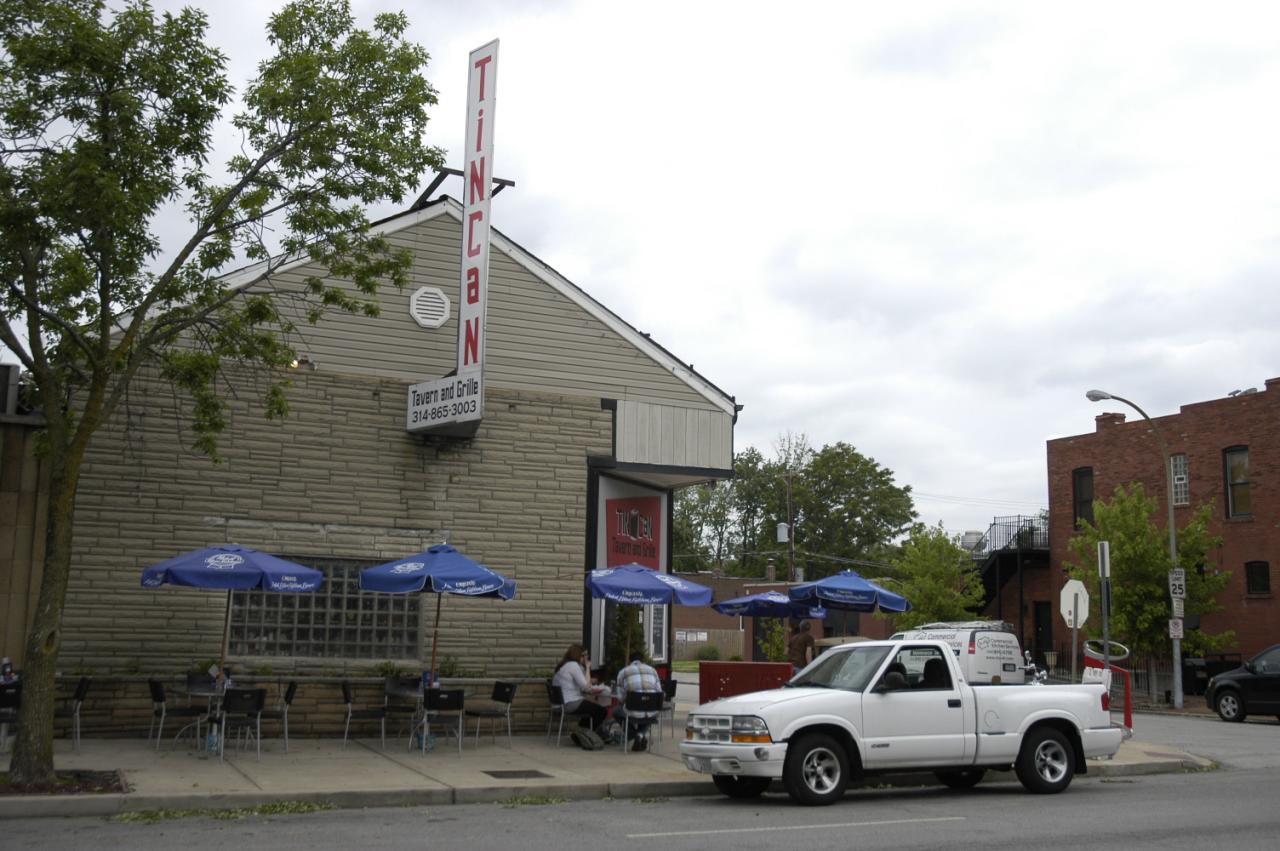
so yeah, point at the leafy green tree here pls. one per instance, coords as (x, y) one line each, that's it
(774, 638)
(849, 506)
(938, 577)
(753, 479)
(703, 527)
(844, 506)
(107, 122)
(688, 531)
(626, 635)
(1140, 572)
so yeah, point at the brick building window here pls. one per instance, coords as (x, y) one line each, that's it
(1257, 577)
(1082, 494)
(1235, 464)
(1181, 480)
(336, 621)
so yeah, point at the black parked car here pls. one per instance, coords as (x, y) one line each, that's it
(1253, 687)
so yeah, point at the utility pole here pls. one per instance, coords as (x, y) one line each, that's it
(791, 534)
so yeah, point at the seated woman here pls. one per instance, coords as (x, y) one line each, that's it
(571, 677)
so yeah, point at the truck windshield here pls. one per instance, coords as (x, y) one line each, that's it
(850, 669)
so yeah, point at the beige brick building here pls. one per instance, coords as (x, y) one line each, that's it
(580, 408)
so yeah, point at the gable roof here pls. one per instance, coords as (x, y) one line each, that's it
(447, 206)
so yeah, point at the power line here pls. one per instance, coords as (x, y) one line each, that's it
(975, 500)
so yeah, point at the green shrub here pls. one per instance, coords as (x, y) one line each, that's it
(388, 669)
(736, 657)
(708, 653)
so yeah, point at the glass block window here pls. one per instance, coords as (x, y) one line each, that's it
(336, 621)
(1257, 576)
(1235, 463)
(1181, 480)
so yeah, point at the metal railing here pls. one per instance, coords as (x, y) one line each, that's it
(1011, 533)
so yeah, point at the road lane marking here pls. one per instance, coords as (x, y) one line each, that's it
(791, 827)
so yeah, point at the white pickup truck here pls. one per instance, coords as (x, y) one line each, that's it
(896, 706)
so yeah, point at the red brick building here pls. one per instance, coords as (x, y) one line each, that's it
(1224, 450)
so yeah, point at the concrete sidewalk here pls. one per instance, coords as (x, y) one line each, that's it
(363, 775)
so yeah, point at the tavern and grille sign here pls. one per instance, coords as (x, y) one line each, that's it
(454, 405)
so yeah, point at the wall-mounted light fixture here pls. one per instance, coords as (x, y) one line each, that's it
(303, 361)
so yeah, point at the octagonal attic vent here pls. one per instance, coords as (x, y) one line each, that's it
(429, 307)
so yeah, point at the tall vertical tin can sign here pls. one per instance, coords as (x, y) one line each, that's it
(455, 405)
(482, 84)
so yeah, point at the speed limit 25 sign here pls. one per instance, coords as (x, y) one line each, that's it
(1178, 583)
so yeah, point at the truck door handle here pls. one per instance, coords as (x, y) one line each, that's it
(953, 703)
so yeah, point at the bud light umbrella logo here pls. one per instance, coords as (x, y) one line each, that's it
(408, 567)
(223, 561)
(153, 582)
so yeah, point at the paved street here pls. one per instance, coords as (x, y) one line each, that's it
(1253, 744)
(1233, 807)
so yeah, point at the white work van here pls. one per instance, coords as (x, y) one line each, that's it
(987, 651)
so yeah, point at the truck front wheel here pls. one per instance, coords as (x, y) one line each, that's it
(817, 770)
(740, 787)
(1046, 762)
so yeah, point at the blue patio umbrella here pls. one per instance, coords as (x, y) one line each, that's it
(637, 585)
(848, 591)
(233, 568)
(768, 604)
(442, 570)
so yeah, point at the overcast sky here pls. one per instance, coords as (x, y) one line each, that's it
(925, 229)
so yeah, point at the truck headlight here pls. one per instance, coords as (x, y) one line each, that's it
(748, 729)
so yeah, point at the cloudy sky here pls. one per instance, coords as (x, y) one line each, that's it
(925, 229)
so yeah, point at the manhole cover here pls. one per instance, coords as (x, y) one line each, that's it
(517, 774)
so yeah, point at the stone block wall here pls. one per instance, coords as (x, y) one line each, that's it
(337, 478)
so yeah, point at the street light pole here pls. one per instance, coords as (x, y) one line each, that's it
(1167, 461)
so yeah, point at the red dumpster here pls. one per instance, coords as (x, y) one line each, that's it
(724, 679)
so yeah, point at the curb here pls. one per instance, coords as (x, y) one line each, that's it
(47, 806)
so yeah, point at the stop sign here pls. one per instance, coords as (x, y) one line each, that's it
(1074, 594)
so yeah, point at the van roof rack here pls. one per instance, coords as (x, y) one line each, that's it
(998, 626)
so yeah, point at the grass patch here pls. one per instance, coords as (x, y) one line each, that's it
(279, 808)
(532, 801)
(687, 666)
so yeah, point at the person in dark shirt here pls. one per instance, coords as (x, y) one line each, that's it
(800, 647)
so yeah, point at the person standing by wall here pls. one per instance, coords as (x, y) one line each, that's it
(800, 647)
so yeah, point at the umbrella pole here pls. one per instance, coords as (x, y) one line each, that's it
(226, 639)
(435, 632)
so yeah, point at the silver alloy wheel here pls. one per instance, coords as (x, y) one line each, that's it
(1051, 761)
(1228, 705)
(821, 770)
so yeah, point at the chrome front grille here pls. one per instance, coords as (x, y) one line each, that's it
(709, 728)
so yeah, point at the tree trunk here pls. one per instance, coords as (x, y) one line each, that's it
(32, 760)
